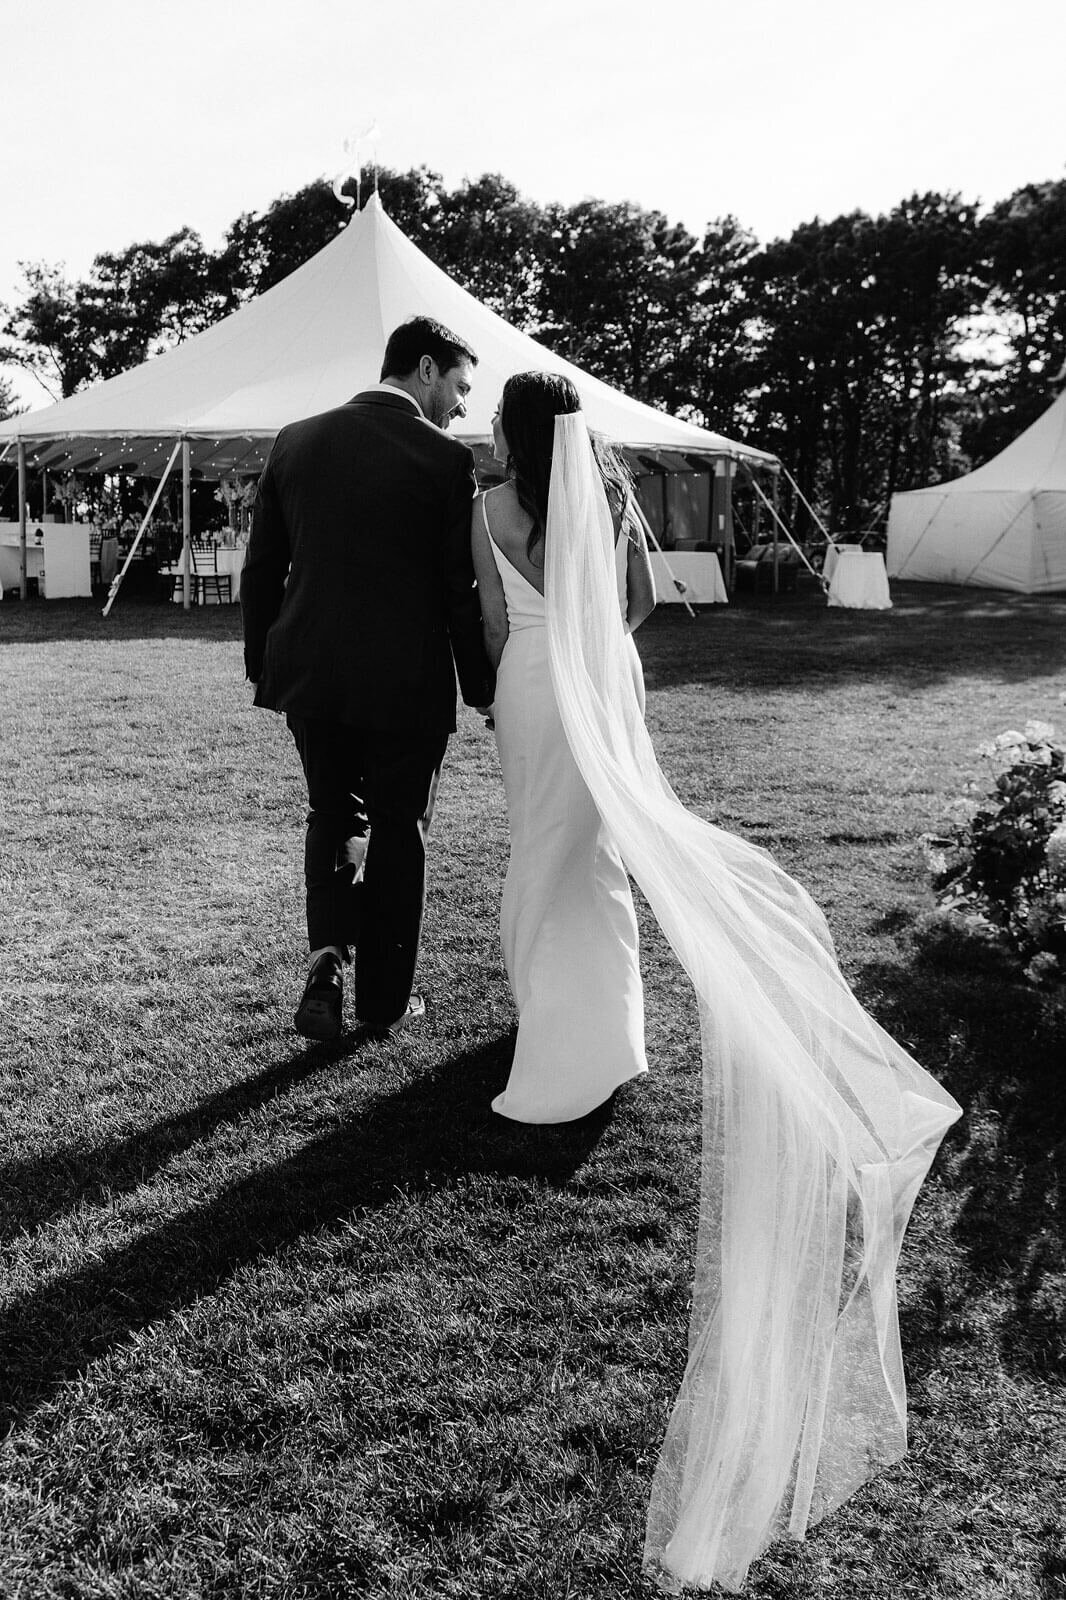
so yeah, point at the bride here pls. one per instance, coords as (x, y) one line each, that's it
(818, 1128)
(567, 925)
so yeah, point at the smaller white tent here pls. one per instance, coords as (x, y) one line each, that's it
(1001, 527)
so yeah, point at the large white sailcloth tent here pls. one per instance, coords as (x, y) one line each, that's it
(309, 343)
(1001, 527)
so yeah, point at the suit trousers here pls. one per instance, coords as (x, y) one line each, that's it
(371, 797)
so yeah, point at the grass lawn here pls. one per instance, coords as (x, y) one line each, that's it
(302, 1322)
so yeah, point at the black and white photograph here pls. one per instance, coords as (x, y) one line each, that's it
(532, 801)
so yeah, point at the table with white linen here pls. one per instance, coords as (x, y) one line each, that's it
(698, 570)
(858, 579)
(67, 561)
(10, 558)
(230, 562)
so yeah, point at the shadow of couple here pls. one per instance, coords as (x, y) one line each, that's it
(432, 1131)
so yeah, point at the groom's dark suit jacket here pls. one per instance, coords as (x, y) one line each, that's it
(358, 586)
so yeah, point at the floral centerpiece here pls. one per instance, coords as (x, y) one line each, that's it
(238, 498)
(999, 862)
(68, 491)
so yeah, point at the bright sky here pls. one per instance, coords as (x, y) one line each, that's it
(124, 120)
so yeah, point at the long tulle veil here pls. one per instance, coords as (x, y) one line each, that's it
(817, 1127)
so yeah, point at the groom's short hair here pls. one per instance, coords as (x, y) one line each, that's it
(422, 336)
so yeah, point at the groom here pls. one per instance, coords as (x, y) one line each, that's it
(357, 595)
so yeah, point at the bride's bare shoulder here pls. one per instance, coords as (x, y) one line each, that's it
(502, 496)
(506, 513)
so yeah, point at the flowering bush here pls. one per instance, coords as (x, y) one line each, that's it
(1000, 862)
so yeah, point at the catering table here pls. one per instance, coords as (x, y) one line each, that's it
(58, 559)
(857, 579)
(67, 560)
(9, 558)
(698, 570)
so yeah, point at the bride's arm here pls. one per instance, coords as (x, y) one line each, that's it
(494, 623)
(640, 580)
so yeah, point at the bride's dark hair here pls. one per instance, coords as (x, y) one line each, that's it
(530, 403)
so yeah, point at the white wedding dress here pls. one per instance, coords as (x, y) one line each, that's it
(567, 924)
(818, 1128)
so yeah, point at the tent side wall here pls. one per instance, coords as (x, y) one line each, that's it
(1048, 574)
(986, 538)
(910, 518)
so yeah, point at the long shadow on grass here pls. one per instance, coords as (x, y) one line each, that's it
(37, 1189)
(58, 621)
(430, 1133)
(985, 1035)
(932, 635)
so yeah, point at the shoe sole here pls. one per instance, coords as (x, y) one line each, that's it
(317, 1020)
(392, 1030)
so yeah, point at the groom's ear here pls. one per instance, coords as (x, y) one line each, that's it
(425, 368)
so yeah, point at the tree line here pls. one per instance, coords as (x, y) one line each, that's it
(870, 353)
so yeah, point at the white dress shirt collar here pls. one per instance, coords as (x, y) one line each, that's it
(391, 388)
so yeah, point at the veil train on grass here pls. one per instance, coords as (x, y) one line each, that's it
(818, 1128)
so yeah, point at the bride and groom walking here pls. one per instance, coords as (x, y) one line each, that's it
(359, 595)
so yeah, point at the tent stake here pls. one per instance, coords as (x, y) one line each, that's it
(116, 582)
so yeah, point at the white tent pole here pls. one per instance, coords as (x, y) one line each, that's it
(186, 520)
(22, 519)
(807, 503)
(777, 552)
(779, 524)
(116, 582)
(646, 525)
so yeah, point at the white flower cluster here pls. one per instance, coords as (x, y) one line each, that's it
(1055, 852)
(1031, 745)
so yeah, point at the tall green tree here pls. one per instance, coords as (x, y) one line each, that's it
(492, 241)
(261, 249)
(712, 373)
(46, 333)
(816, 352)
(141, 301)
(930, 278)
(9, 406)
(1023, 240)
(618, 284)
(857, 375)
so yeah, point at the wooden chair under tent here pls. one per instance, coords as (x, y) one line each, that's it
(207, 580)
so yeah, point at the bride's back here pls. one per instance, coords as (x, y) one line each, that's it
(510, 526)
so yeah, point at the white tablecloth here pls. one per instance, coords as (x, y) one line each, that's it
(858, 580)
(66, 560)
(229, 562)
(9, 560)
(698, 570)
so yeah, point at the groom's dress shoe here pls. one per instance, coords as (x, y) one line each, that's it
(416, 1010)
(318, 1016)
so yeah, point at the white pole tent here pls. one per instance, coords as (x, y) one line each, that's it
(310, 343)
(1001, 527)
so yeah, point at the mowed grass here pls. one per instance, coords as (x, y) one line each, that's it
(301, 1322)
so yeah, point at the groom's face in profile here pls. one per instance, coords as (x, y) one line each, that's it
(447, 391)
